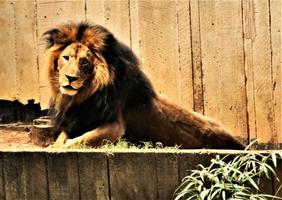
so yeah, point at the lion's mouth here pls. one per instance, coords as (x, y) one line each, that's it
(68, 90)
(68, 87)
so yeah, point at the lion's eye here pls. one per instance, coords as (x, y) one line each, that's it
(84, 62)
(66, 58)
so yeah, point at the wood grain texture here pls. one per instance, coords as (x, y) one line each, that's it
(93, 175)
(276, 60)
(115, 15)
(191, 161)
(249, 35)
(167, 175)
(8, 89)
(63, 176)
(157, 43)
(26, 51)
(220, 58)
(185, 54)
(259, 70)
(223, 65)
(14, 176)
(2, 185)
(135, 176)
(196, 54)
(35, 173)
(49, 15)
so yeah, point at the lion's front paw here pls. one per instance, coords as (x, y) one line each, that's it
(73, 143)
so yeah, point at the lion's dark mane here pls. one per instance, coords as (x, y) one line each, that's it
(129, 90)
(127, 98)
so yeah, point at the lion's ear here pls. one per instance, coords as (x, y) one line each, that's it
(63, 35)
(53, 36)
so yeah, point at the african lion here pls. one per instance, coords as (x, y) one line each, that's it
(99, 93)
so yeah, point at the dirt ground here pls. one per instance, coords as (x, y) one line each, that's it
(15, 139)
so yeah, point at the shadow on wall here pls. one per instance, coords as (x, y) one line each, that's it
(14, 111)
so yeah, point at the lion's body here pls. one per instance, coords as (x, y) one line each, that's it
(116, 99)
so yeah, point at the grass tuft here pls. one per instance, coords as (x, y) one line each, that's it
(230, 178)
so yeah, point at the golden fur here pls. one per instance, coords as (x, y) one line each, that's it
(100, 93)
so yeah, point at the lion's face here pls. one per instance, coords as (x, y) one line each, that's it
(75, 67)
(75, 62)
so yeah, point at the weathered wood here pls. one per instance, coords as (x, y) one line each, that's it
(196, 54)
(26, 51)
(95, 11)
(2, 186)
(191, 50)
(63, 176)
(185, 54)
(112, 14)
(35, 173)
(259, 76)
(276, 61)
(50, 14)
(8, 88)
(157, 41)
(117, 19)
(191, 161)
(167, 175)
(93, 176)
(41, 132)
(25, 176)
(14, 176)
(249, 35)
(223, 65)
(133, 176)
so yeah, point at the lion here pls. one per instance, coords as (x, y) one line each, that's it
(100, 93)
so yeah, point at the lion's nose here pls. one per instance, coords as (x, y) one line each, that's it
(71, 78)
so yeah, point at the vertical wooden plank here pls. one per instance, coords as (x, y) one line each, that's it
(158, 48)
(259, 70)
(26, 51)
(134, 27)
(117, 19)
(133, 176)
(223, 65)
(114, 15)
(93, 175)
(50, 14)
(196, 55)
(167, 175)
(185, 56)
(95, 12)
(63, 176)
(35, 173)
(14, 176)
(275, 16)
(249, 35)
(25, 175)
(2, 186)
(190, 161)
(8, 88)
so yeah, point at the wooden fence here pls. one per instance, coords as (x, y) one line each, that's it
(102, 175)
(221, 58)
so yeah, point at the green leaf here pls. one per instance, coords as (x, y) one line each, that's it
(204, 194)
(274, 159)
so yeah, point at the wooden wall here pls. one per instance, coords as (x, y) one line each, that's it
(221, 58)
(103, 175)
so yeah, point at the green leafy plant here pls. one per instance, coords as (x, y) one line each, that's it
(230, 178)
